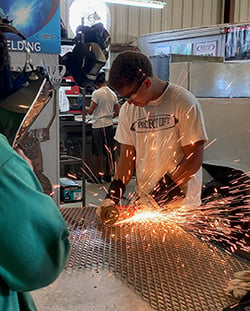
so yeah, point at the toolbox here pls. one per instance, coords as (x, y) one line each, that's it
(70, 190)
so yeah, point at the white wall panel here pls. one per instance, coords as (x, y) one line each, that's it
(197, 12)
(242, 11)
(133, 24)
(113, 23)
(156, 17)
(119, 23)
(177, 14)
(207, 7)
(63, 11)
(187, 13)
(144, 20)
(167, 13)
(217, 12)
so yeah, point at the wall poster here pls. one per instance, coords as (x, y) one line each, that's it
(237, 45)
(38, 20)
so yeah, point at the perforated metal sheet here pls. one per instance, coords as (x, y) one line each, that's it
(168, 267)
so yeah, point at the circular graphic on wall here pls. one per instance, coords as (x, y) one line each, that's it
(29, 16)
(88, 13)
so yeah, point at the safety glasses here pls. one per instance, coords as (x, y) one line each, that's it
(131, 96)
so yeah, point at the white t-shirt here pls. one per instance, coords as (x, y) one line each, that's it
(159, 131)
(105, 99)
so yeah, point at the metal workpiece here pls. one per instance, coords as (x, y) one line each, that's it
(168, 267)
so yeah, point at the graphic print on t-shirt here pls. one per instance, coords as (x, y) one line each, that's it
(154, 123)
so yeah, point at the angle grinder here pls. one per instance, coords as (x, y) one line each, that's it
(108, 213)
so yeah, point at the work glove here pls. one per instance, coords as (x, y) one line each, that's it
(116, 190)
(242, 305)
(166, 191)
(240, 285)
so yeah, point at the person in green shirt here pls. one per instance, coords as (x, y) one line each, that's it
(34, 240)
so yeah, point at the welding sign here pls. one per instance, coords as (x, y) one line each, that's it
(156, 123)
(38, 20)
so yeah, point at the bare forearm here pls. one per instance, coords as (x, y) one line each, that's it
(87, 109)
(190, 165)
(116, 110)
(185, 171)
(126, 164)
(124, 173)
(90, 109)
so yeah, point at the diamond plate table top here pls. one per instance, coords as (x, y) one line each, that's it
(168, 267)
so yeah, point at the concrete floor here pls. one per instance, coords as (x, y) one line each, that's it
(95, 290)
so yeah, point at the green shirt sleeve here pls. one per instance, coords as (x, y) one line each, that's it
(33, 235)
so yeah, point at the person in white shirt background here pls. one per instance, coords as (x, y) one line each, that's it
(103, 107)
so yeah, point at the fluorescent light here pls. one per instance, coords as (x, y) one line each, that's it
(140, 3)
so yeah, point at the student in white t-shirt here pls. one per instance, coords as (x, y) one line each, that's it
(161, 134)
(104, 107)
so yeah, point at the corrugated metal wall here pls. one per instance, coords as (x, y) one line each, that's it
(242, 11)
(127, 23)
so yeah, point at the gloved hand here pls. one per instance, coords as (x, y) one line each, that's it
(116, 190)
(240, 284)
(166, 191)
(243, 304)
(107, 212)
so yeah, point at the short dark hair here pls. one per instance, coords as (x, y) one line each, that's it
(100, 78)
(129, 67)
